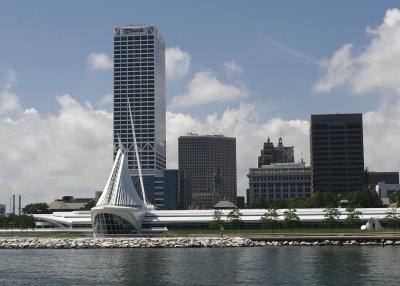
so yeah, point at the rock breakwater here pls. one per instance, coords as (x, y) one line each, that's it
(67, 243)
(180, 242)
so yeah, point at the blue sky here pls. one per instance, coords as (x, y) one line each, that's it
(274, 63)
(47, 43)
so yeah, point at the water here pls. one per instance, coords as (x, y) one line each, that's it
(328, 265)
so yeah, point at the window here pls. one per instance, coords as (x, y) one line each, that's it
(106, 224)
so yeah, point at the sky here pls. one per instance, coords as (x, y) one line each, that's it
(245, 69)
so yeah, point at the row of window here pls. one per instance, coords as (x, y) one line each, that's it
(120, 42)
(136, 37)
(138, 77)
(142, 69)
(137, 84)
(279, 184)
(265, 191)
(278, 196)
(291, 178)
(348, 125)
(136, 49)
(136, 71)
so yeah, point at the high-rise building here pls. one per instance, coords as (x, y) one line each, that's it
(279, 154)
(210, 161)
(139, 79)
(337, 153)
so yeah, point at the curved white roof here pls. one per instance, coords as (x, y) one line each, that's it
(119, 190)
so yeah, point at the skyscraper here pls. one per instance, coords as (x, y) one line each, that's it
(210, 161)
(139, 75)
(337, 153)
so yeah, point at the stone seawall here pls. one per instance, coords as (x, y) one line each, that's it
(181, 242)
(126, 242)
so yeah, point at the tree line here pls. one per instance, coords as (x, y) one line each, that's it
(17, 221)
(270, 219)
(367, 198)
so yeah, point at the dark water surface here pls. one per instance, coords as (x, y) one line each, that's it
(328, 265)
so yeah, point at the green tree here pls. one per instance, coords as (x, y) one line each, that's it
(259, 204)
(36, 208)
(3, 221)
(91, 204)
(11, 221)
(395, 197)
(290, 218)
(330, 200)
(234, 216)
(26, 221)
(299, 202)
(331, 216)
(217, 221)
(316, 200)
(367, 198)
(353, 217)
(279, 204)
(269, 219)
(392, 218)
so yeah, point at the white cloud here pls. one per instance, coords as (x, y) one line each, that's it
(250, 134)
(9, 103)
(107, 100)
(10, 78)
(374, 68)
(381, 137)
(99, 62)
(43, 158)
(206, 88)
(231, 68)
(177, 62)
(338, 69)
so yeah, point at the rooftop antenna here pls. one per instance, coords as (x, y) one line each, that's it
(137, 156)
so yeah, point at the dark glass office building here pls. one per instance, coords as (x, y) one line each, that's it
(337, 153)
(139, 75)
(210, 162)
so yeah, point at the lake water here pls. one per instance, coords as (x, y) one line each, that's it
(328, 265)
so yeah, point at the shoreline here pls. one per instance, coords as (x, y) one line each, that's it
(184, 242)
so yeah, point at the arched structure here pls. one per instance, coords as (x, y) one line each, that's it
(119, 210)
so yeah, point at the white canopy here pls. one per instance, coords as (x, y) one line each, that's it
(119, 190)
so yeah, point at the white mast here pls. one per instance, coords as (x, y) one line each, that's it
(137, 157)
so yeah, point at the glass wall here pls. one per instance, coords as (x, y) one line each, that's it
(108, 224)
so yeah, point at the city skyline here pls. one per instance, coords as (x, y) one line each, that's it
(56, 82)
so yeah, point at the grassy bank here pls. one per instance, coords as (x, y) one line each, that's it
(53, 234)
(277, 232)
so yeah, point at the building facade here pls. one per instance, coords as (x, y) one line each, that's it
(139, 80)
(2, 210)
(278, 181)
(373, 178)
(185, 198)
(210, 161)
(337, 153)
(167, 189)
(385, 190)
(279, 154)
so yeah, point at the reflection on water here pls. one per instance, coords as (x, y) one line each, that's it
(328, 265)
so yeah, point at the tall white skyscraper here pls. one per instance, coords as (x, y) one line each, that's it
(139, 75)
